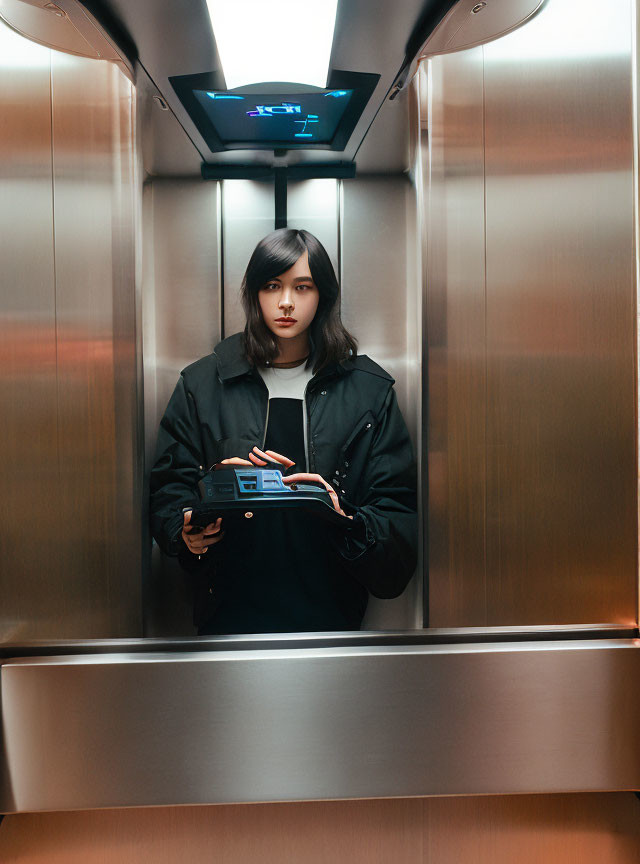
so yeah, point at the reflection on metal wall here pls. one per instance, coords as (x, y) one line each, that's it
(531, 309)
(380, 306)
(181, 322)
(369, 242)
(70, 542)
(366, 233)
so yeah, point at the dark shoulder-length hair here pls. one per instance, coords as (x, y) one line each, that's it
(329, 340)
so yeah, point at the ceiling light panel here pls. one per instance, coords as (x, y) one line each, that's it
(279, 40)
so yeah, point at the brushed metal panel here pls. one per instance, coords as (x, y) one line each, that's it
(99, 593)
(28, 455)
(247, 216)
(455, 339)
(313, 206)
(181, 322)
(533, 829)
(561, 463)
(532, 490)
(371, 832)
(590, 828)
(286, 725)
(182, 291)
(69, 367)
(379, 301)
(329, 639)
(374, 267)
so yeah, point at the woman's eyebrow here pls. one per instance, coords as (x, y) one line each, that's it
(303, 279)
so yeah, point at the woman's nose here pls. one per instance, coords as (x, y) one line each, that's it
(286, 301)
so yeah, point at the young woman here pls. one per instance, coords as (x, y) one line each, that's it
(291, 386)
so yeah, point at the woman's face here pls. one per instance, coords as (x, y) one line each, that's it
(289, 301)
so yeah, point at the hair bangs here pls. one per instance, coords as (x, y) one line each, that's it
(274, 255)
(330, 342)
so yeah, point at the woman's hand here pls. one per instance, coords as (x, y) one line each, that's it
(197, 540)
(316, 478)
(259, 456)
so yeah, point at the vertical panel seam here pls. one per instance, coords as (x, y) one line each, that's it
(55, 272)
(426, 357)
(636, 273)
(486, 365)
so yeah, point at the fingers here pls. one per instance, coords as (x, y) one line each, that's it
(258, 457)
(199, 543)
(255, 459)
(304, 477)
(271, 454)
(187, 527)
(316, 478)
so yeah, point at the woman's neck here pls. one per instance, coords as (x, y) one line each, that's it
(290, 350)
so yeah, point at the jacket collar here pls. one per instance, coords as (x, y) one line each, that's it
(232, 361)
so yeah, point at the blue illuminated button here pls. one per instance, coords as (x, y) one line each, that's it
(223, 96)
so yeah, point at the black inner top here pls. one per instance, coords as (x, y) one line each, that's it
(285, 430)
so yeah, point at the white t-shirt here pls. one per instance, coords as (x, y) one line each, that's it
(285, 385)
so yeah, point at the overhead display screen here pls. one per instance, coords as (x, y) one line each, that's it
(301, 118)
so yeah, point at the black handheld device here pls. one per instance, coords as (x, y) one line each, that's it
(239, 492)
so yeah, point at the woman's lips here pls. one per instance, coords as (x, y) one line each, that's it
(286, 322)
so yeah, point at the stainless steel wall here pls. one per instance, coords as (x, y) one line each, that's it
(181, 322)
(531, 829)
(381, 298)
(300, 721)
(70, 547)
(528, 159)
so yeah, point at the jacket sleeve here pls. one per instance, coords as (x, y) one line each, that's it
(177, 469)
(380, 547)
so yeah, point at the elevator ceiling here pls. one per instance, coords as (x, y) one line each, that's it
(174, 39)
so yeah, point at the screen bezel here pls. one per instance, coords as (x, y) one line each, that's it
(362, 83)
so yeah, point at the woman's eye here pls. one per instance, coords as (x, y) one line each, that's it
(304, 287)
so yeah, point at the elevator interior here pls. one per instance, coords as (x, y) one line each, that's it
(486, 249)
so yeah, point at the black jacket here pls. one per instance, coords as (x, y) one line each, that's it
(357, 439)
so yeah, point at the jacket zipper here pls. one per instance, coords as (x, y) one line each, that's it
(266, 423)
(310, 448)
